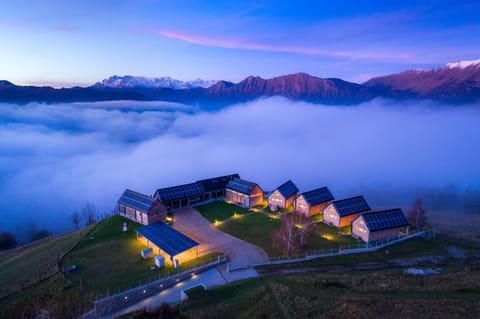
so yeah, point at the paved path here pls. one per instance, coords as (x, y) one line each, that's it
(211, 239)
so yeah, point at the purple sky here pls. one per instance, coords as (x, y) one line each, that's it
(80, 42)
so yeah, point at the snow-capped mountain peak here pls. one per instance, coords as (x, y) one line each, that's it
(463, 64)
(129, 81)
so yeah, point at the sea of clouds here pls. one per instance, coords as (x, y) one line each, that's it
(56, 158)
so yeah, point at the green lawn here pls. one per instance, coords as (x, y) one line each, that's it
(256, 228)
(112, 259)
(220, 211)
(27, 265)
(326, 236)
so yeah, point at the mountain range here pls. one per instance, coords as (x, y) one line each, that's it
(454, 83)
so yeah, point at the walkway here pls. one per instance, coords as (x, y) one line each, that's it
(211, 239)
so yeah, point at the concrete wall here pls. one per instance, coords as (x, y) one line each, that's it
(360, 230)
(276, 199)
(330, 216)
(302, 206)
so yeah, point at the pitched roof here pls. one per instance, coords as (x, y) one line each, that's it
(241, 186)
(287, 189)
(217, 183)
(167, 238)
(385, 219)
(350, 206)
(318, 196)
(136, 200)
(180, 191)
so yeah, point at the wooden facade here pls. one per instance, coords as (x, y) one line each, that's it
(303, 207)
(342, 213)
(362, 228)
(244, 193)
(333, 218)
(284, 195)
(141, 208)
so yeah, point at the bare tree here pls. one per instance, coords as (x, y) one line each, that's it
(89, 214)
(76, 219)
(286, 237)
(417, 217)
(305, 227)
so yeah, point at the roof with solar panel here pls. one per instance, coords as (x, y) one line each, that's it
(136, 200)
(318, 196)
(241, 186)
(167, 238)
(350, 206)
(385, 219)
(287, 189)
(180, 191)
(216, 183)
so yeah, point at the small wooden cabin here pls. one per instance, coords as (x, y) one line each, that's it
(341, 213)
(141, 208)
(284, 195)
(244, 193)
(313, 202)
(375, 226)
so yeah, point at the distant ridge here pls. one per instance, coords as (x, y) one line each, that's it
(457, 82)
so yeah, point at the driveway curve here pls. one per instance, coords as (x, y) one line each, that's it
(211, 239)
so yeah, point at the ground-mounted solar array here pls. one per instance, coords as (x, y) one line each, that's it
(167, 238)
(318, 196)
(385, 219)
(241, 186)
(287, 189)
(351, 206)
(136, 200)
(180, 191)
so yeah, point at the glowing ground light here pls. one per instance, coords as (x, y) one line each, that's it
(327, 237)
(144, 291)
(126, 297)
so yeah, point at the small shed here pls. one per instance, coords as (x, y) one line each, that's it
(284, 195)
(141, 208)
(341, 213)
(313, 202)
(375, 226)
(244, 193)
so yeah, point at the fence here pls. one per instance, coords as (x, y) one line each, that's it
(329, 252)
(110, 303)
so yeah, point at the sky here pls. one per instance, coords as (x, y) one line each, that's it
(66, 43)
(56, 158)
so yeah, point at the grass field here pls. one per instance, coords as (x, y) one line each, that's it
(256, 228)
(220, 211)
(326, 236)
(354, 295)
(112, 259)
(27, 265)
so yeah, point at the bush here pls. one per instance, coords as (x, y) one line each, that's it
(7, 241)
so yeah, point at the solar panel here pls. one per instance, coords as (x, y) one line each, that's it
(167, 238)
(181, 191)
(385, 219)
(318, 196)
(136, 200)
(350, 206)
(287, 189)
(217, 183)
(241, 186)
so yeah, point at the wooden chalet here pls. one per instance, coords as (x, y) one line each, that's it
(341, 213)
(284, 195)
(313, 202)
(141, 208)
(375, 226)
(244, 193)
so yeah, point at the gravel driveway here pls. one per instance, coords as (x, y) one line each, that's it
(211, 239)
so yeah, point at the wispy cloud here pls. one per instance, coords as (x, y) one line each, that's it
(238, 44)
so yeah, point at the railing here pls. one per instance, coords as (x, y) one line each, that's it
(329, 252)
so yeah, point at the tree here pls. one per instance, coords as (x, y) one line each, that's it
(286, 238)
(7, 240)
(305, 227)
(39, 234)
(89, 214)
(417, 217)
(76, 219)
